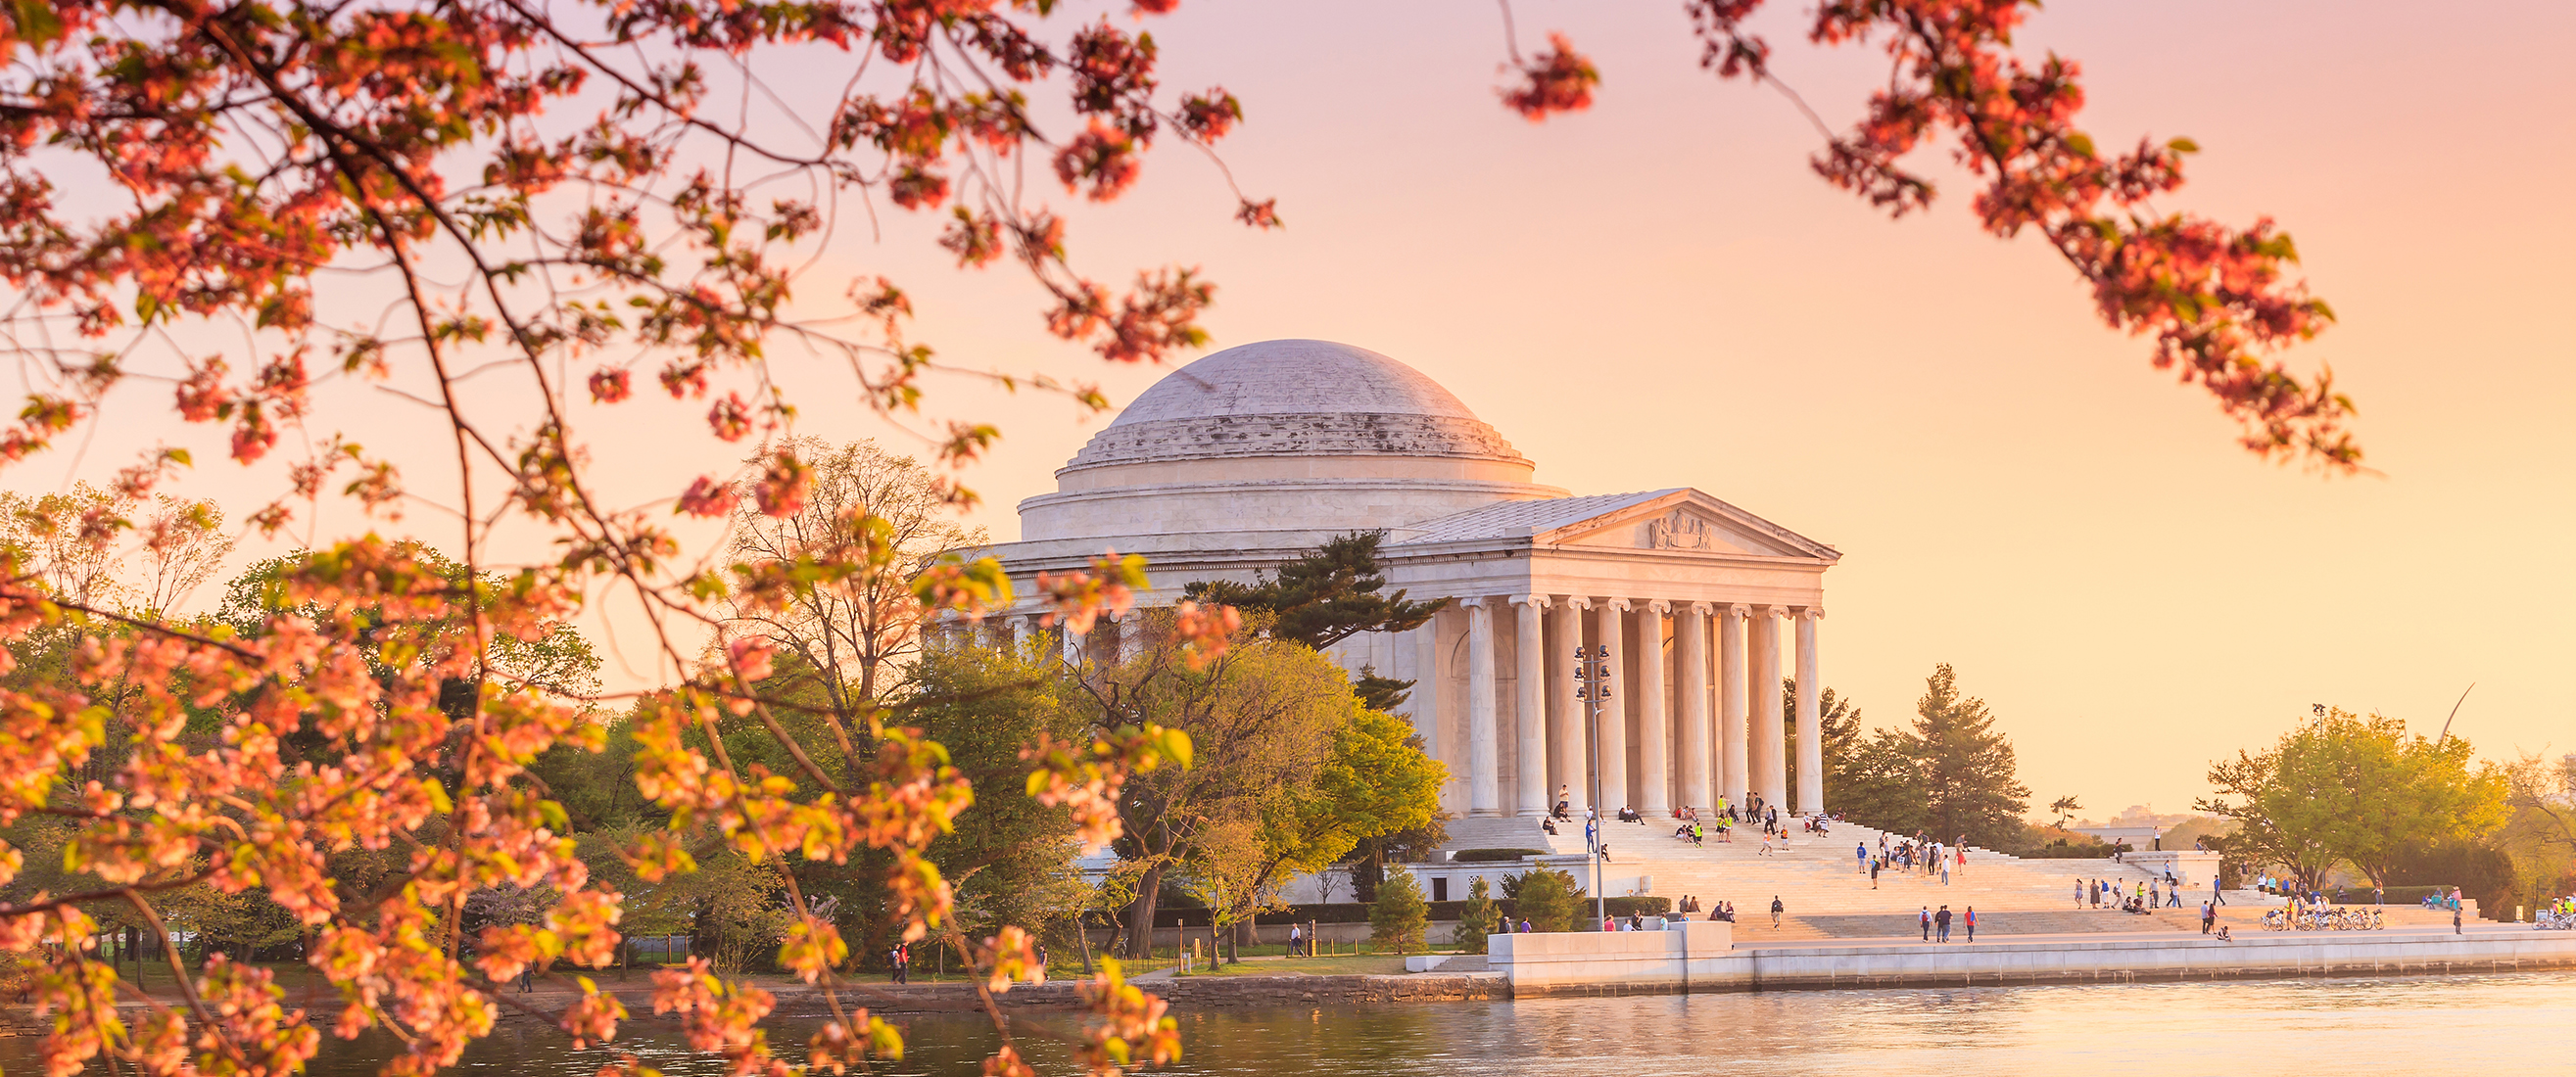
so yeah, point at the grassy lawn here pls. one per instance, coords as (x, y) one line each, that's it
(1346, 965)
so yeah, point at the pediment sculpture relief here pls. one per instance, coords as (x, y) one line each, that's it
(1679, 531)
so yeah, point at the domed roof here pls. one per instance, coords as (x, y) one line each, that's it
(1294, 398)
(1293, 377)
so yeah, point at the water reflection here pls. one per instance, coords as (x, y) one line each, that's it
(2436, 1025)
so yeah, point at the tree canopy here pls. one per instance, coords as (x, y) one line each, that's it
(2345, 788)
(1288, 767)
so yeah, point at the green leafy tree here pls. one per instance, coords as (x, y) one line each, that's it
(1545, 897)
(2436, 795)
(1399, 917)
(1479, 918)
(1009, 857)
(1264, 716)
(2348, 788)
(1377, 790)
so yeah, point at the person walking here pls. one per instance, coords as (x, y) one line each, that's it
(2455, 920)
(2155, 895)
(1873, 874)
(2216, 895)
(527, 978)
(2208, 916)
(1860, 856)
(1927, 923)
(1945, 873)
(900, 960)
(1972, 923)
(1776, 909)
(1296, 940)
(2079, 893)
(1941, 922)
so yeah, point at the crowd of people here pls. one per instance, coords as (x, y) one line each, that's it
(2135, 896)
(1919, 853)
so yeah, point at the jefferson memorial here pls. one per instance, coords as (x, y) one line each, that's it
(1254, 455)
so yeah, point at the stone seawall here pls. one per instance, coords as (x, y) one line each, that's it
(1194, 993)
(2077, 961)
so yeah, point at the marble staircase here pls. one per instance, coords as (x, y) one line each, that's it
(1826, 897)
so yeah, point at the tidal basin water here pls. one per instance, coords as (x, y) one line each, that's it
(2494, 1024)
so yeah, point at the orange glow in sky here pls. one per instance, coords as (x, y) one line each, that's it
(1658, 292)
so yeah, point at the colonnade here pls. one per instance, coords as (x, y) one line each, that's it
(1702, 708)
(1005, 630)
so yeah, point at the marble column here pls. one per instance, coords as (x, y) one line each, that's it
(1529, 706)
(1612, 737)
(1484, 765)
(1770, 775)
(1690, 637)
(1033, 628)
(1425, 698)
(1811, 738)
(1129, 630)
(1733, 766)
(1572, 758)
(1654, 730)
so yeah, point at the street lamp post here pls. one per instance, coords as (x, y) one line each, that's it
(1592, 688)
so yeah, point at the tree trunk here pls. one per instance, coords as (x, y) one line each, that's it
(1140, 913)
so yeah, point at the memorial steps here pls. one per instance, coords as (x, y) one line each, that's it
(1813, 875)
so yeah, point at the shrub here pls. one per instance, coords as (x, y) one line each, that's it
(1489, 856)
(1398, 918)
(1478, 919)
(1547, 899)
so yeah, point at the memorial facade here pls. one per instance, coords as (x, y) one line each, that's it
(1256, 454)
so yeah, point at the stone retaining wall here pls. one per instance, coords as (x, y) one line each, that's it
(1192, 993)
(2011, 963)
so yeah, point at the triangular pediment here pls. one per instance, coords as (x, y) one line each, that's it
(1684, 522)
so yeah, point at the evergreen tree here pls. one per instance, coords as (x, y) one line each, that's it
(1880, 784)
(1478, 919)
(1399, 916)
(1969, 784)
(1330, 594)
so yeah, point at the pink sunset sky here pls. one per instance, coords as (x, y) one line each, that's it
(1658, 292)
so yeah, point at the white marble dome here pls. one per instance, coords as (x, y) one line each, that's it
(1282, 439)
